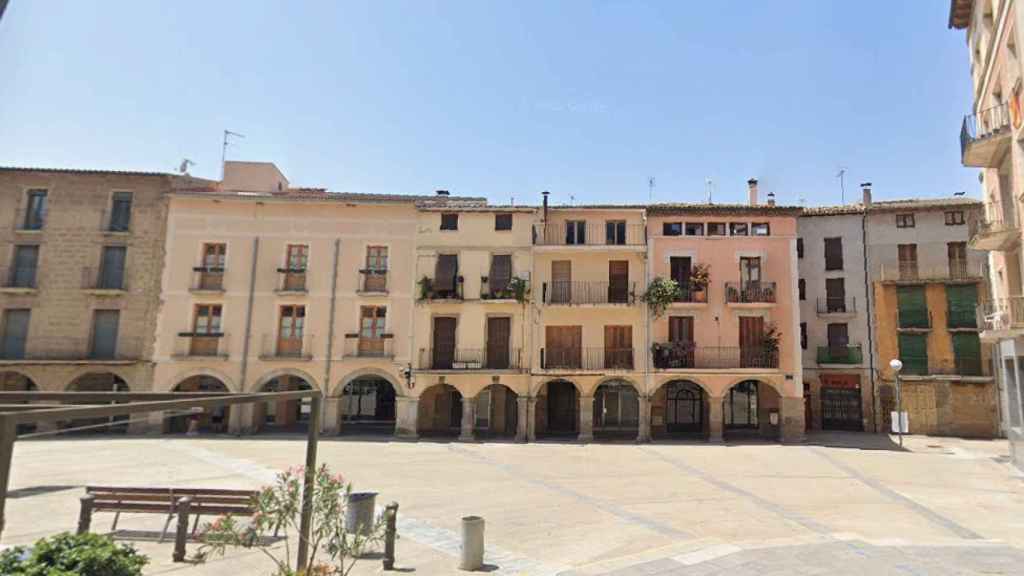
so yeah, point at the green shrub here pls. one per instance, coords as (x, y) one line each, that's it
(69, 554)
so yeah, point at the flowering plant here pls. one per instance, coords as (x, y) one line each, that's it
(333, 546)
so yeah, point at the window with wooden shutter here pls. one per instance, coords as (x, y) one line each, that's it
(501, 273)
(904, 220)
(563, 347)
(618, 347)
(967, 353)
(445, 274)
(912, 307)
(672, 229)
(914, 353)
(962, 299)
(956, 253)
(502, 222)
(907, 254)
(449, 221)
(835, 295)
(833, 253)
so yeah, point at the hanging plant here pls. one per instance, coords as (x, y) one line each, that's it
(770, 339)
(661, 292)
(700, 277)
(426, 287)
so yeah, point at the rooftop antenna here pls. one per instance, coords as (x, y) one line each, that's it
(707, 188)
(650, 188)
(842, 183)
(224, 149)
(185, 163)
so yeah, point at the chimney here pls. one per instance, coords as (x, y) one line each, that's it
(866, 189)
(752, 188)
(771, 198)
(545, 194)
(442, 193)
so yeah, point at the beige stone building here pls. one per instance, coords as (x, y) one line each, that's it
(81, 253)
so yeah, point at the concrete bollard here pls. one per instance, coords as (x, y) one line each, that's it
(390, 532)
(181, 535)
(472, 543)
(359, 509)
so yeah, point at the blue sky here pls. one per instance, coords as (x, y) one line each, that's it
(585, 99)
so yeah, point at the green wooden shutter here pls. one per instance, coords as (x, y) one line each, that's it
(962, 299)
(914, 353)
(967, 353)
(912, 306)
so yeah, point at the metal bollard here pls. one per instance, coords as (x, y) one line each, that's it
(472, 543)
(85, 513)
(181, 535)
(390, 531)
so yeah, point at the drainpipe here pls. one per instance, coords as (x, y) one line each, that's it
(330, 331)
(248, 314)
(867, 299)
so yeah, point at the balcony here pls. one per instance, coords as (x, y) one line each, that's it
(1002, 316)
(970, 366)
(190, 345)
(104, 282)
(274, 348)
(588, 293)
(207, 279)
(994, 232)
(594, 234)
(955, 270)
(428, 290)
(691, 295)
(359, 347)
(24, 279)
(69, 350)
(292, 281)
(470, 359)
(373, 281)
(685, 356)
(833, 306)
(587, 358)
(750, 292)
(504, 293)
(848, 354)
(914, 320)
(985, 137)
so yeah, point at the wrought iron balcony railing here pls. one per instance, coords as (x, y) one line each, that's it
(585, 292)
(373, 281)
(681, 355)
(587, 358)
(207, 279)
(979, 131)
(833, 305)
(913, 319)
(1001, 314)
(910, 271)
(430, 291)
(750, 292)
(296, 348)
(848, 354)
(496, 358)
(292, 280)
(589, 234)
(69, 349)
(957, 366)
(201, 345)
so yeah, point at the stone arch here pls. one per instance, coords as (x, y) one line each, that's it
(284, 415)
(210, 420)
(369, 372)
(263, 380)
(614, 378)
(440, 411)
(496, 411)
(680, 407)
(616, 407)
(557, 410)
(92, 380)
(367, 403)
(18, 381)
(179, 377)
(747, 408)
(776, 386)
(78, 377)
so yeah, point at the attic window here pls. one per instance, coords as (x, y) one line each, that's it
(694, 228)
(672, 229)
(449, 221)
(759, 228)
(738, 229)
(502, 221)
(716, 229)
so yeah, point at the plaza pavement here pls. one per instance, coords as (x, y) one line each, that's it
(840, 504)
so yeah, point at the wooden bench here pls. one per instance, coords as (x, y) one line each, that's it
(170, 501)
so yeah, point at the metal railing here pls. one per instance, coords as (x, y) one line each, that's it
(292, 280)
(358, 347)
(1001, 314)
(586, 292)
(470, 358)
(593, 234)
(373, 281)
(691, 294)
(833, 305)
(848, 354)
(675, 355)
(984, 124)
(427, 291)
(956, 366)
(750, 292)
(913, 319)
(69, 349)
(488, 292)
(20, 277)
(954, 269)
(991, 223)
(274, 348)
(192, 345)
(587, 358)
(207, 278)
(101, 279)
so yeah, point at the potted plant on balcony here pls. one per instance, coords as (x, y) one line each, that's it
(426, 287)
(520, 288)
(660, 293)
(770, 344)
(700, 277)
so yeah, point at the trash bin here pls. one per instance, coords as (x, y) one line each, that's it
(472, 543)
(359, 509)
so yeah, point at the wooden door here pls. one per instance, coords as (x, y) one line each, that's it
(206, 330)
(751, 342)
(618, 281)
(838, 342)
(563, 347)
(680, 336)
(499, 332)
(618, 347)
(679, 268)
(371, 330)
(212, 275)
(297, 261)
(444, 343)
(112, 268)
(907, 261)
(290, 330)
(376, 269)
(561, 281)
(501, 273)
(835, 294)
(445, 275)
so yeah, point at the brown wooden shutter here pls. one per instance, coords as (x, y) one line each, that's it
(501, 272)
(751, 341)
(618, 346)
(561, 281)
(680, 270)
(447, 267)
(618, 281)
(444, 342)
(680, 329)
(498, 336)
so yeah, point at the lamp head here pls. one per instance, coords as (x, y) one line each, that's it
(895, 364)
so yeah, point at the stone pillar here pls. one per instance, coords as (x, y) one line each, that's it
(150, 423)
(716, 419)
(406, 413)
(644, 431)
(238, 418)
(330, 424)
(468, 419)
(531, 419)
(586, 418)
(791, 427)
(522, 418)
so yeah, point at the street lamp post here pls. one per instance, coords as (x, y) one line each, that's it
(896, 366)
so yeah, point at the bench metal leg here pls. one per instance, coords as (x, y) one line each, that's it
(117, 516)
(182, 533)
(195, 524)
(167, 524)
(85, 513)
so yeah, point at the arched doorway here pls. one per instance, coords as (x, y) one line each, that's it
(497, 412)
(683, 402)
(283, 415)
(98, 382)
(616, 409)
(209, 421)
(18, 382)
(440, 411)
(748, 407)
(558, 413)
(368, 406)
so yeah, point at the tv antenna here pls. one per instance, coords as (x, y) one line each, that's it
(842, 184)
(224, 149)
(650, 188)
(707, 188)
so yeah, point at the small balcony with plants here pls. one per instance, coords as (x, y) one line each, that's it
(756, 293)
(513, 289)
(443, 289)
(1001, 317)
(840, 354)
